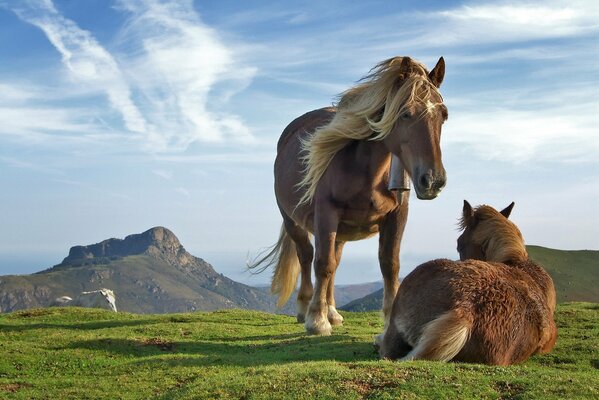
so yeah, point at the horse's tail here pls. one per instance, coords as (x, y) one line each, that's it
(442, 338)
(283, 255)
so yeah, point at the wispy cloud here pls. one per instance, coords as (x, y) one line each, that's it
(170, 91)
(87, 61)
(181, 54)
(517, 22)
(563, 134)
(163, 174)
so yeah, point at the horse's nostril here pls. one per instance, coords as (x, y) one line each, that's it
(425, 181)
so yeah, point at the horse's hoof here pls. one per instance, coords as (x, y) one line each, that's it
(378, 339)
(319, 331)
(322, 328)
(334, 317)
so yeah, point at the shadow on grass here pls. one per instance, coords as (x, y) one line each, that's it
(91, 325)
(277, 349)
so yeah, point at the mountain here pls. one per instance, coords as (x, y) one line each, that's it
(150, 272)
(575, 274)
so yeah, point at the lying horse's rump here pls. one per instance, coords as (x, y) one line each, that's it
(497, 309)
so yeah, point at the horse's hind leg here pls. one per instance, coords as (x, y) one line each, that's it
(305, 254)
(334, 317)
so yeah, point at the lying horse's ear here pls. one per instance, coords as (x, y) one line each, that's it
(438, 73)
(507, 211)
(467, 213)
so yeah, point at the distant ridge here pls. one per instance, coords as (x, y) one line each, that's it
(150, 272)
(157, 239)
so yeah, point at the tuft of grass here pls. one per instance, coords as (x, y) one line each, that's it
(75, 353)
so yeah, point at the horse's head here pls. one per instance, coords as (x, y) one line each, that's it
(107, 300)
(416, 135)
(489, 236)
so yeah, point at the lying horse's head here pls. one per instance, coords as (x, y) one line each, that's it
(416, 134)
(489, 235)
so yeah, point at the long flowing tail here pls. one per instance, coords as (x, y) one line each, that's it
(287, 266)
(442, 338)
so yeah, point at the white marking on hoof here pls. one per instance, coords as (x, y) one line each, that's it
(334, 317)
(378, 339)
(318, 326)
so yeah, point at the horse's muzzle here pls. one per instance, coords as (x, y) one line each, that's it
(429, 185)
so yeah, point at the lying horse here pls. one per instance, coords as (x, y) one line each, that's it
(495, 306)
(103, 298)
(334, 179)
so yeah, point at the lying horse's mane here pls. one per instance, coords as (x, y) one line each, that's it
(500, 238)
(368, 110)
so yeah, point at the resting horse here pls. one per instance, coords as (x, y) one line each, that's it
(493, 307)
(332, 179)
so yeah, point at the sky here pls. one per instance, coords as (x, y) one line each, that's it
(120, 115)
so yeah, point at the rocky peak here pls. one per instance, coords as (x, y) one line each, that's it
(156, 241)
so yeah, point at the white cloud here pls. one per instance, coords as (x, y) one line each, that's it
(187, 58)
(565, 134)
(39, 125)
(170, 90)
(163, 174)
(87, 61)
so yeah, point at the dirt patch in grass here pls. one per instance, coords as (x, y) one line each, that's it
(13, 387)
(162, 344)
(509, 390)
(34, 312)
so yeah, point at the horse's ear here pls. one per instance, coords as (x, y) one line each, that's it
(507, 211)
(405, 68)
(438, 73)
(467, 213)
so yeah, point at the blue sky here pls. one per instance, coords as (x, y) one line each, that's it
(122, 115)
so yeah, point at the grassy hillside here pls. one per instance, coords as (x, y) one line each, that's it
(575, 273)
(86, 354)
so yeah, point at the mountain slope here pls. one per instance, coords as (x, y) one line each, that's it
(575, 274)
(149, 272)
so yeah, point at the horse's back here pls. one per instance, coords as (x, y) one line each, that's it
(305, 125)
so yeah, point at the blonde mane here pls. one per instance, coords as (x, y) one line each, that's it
(368, 110)
(500, 238)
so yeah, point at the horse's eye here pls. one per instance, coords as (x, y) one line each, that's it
(406, 116)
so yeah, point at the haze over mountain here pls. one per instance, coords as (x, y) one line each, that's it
(150, 272)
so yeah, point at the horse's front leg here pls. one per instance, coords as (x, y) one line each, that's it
(391, 232)
(325, 231)
(333, 315)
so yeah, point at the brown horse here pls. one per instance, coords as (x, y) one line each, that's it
(494, 307)
(332, 175)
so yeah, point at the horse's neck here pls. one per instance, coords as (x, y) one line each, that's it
(375, 157)
(540, 277)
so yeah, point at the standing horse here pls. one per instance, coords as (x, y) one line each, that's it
(494, 307)
(332, 176)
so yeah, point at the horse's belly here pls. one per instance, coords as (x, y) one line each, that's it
(348, 232)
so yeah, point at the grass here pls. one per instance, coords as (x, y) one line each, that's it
(87, 354)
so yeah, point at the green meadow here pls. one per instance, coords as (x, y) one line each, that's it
(73, 353)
